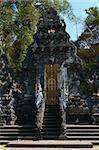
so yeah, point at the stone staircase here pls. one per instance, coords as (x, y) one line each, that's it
(74, 132)
(83, 132)
(51, 144)
(16, 132)
(51, 122)
(77, 135)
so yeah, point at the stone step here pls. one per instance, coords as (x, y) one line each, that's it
(51, 116)
(51, 144)
(49, 137)
(51, 106)
(69, 126)
(3, 142)
(52, 128)
(51, 119)
(51, 113)
(17, 127)
(51, 122)
(48, 130)
(55, 110)
(16, 137)
(17, 133)
(46, 136)
(52, 109)
(82, 126)
(85, 138)
(83, 134)
(82, 130)
(48, 122)
(16, 130)
(73, 128)
(51, 133)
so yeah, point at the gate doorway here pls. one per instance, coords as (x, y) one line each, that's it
(51, 87)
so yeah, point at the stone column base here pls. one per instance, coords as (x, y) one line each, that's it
(63, 137)
(38, 135)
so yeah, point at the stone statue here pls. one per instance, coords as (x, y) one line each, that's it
(74, 84)
(64, 83)
(39, 94)
(64, 96)
(40, 105)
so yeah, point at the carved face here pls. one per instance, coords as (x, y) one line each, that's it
(51, 31)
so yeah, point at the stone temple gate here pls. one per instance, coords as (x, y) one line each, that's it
(55, 57)
(48, 87)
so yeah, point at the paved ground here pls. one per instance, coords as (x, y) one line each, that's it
(51, 143)
(95, 148)
(48, 149)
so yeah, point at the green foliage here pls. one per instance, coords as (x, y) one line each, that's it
(89, 64)
(93, 16)
(17, 27)
(18, 24)
(61, 6)
(90, 37)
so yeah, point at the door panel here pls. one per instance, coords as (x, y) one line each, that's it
(51, 84)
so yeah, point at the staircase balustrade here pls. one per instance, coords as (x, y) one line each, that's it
(63, 99)
(40, 105)
(40, 114)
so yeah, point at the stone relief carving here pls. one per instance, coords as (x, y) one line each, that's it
(38, 94)
(7, 113)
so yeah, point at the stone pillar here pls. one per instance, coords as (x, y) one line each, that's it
(63, 99)
(40, 107)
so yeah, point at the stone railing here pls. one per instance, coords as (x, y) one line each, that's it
(62, 121)
(39, 118)
(40, 107)
(62, 108)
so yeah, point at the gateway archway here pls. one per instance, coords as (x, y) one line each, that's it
(51, 84)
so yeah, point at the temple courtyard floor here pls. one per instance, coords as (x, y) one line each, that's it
(23, 148)
(50, 145)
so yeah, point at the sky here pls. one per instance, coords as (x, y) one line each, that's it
(79, 7)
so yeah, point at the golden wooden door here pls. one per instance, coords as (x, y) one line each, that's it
(51, 84)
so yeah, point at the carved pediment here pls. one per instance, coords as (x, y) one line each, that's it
(51, 34)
